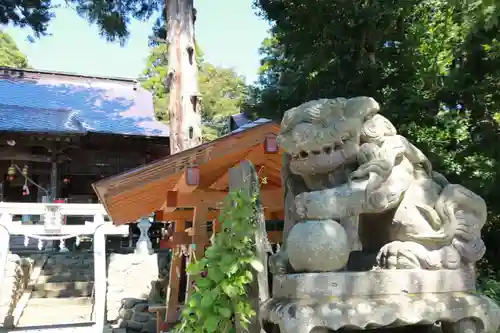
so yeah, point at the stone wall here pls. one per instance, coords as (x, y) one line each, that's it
(16, 279)
(133, 283)
(135, 317)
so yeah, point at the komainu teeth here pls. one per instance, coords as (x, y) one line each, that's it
(325, 150)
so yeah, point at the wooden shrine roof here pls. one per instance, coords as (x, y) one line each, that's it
(161, 185)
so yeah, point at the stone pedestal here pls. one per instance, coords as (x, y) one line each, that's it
(380, 299)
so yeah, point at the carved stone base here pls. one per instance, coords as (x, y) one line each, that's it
(372, 283)
(458, 312)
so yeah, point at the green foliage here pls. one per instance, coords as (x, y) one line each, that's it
(222, 89)
(222, 277)
(113, 17)
(223, 92)
(10, 56)
(434, 65)
(490, 288)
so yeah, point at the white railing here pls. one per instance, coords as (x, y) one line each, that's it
(50, 227)
(53, 229)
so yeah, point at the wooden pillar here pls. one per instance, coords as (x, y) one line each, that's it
(199, 239)
(267, 214)
(172, 294)
(53, 181)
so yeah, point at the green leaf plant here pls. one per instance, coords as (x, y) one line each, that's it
(222, 278)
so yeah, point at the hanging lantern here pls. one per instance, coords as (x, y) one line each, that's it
(25, 171)
(66, 180)
(271, 144)
(193, 176)
(11, 171)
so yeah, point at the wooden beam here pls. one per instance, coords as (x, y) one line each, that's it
(171, 203)
(208, 179)
(221, 184)
(11, 156)
(256, 155)
(185, 215)
(271, 198)
(185, 239)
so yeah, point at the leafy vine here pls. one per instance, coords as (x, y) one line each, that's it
(222, 277)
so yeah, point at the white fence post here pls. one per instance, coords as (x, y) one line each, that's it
(100, 284)
(5, 219)
(54, 229)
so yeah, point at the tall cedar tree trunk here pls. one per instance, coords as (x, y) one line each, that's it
(184, 105)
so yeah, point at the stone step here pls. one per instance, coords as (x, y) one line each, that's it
(65, 270)
(55, 313)
(73, 301)
(69, 276)
(62, 289)
(73, 263)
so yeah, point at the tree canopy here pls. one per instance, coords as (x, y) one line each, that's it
(434, 65)
(10, 56)
(113, 17)
(223, 91)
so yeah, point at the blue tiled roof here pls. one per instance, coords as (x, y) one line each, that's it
(28, 119)
(251, 124)
(57, 104)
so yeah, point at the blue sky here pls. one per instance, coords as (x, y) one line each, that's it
(228, 31)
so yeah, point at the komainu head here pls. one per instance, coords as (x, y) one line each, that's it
(323, 134)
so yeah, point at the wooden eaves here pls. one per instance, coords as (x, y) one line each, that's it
(161, 185)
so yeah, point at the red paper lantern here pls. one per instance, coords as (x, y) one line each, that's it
(66, 180)
(165, 327)
(271, 144)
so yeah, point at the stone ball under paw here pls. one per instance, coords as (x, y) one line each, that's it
(317, 246)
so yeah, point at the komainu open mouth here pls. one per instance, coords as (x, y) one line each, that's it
(327, 150)
(325, 160)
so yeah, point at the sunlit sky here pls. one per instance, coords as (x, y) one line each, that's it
(228, 31)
